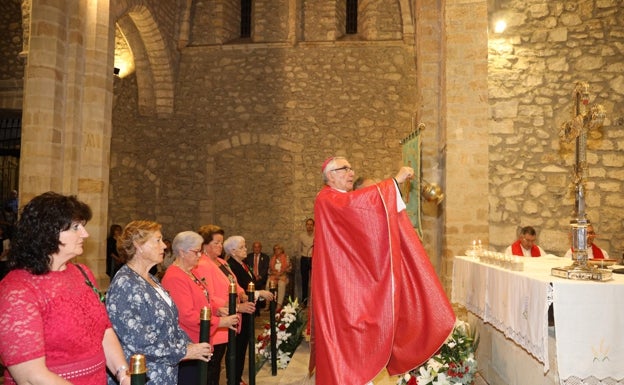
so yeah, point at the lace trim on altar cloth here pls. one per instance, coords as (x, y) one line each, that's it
(537, 350)
(474, 308)
(592, 381)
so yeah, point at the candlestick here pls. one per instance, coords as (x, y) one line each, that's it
(272, 324)
(231, 350)
(204, 336)
(138, 370)
(251, 296)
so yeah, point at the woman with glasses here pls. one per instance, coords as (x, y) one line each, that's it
(142, 312)
(236, 251)
(218, 275)
(190, 295)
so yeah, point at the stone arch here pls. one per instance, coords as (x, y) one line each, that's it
(407, 20)
(248, 138)
(257, 174)
(154, 67)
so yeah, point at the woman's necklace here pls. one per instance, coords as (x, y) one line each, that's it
(146, 277)
(245, 267)
(199, 282)
(162, 293)
(225, 269)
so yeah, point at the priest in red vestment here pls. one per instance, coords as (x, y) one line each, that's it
(525, 246)
(593, 251)
(376, 300)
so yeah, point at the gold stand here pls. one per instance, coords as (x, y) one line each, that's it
(584, 274)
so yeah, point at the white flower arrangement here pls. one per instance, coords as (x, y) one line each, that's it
(453, 364)
(289, 326)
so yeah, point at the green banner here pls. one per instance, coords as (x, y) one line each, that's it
(411, 189)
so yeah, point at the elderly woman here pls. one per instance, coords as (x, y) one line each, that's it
(190, 295)
(236, 250)
(279, 269)
(218, 276)
(143, 315)
(53, 326)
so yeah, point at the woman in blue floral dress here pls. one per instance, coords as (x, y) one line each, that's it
(142, 313)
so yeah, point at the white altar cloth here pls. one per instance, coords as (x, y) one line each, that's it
(588, 315)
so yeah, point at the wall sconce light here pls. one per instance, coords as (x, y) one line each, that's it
(116, 71)
(500, 26)
(432, 192)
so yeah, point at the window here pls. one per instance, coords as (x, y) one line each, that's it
(245, 18)
(352, 14)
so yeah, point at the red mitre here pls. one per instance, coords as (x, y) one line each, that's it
(325, 163)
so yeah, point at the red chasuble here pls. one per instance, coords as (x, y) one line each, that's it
(516, 249)
(596, 252)
(376, 299)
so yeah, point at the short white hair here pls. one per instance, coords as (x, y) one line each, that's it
(331, 165)
(232, 243)
(185, 241)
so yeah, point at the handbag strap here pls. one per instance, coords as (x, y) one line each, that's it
(101, 296)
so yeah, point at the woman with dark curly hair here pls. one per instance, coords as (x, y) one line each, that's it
(53, 327)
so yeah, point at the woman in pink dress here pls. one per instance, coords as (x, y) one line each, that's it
(53, 326)
(218, 275)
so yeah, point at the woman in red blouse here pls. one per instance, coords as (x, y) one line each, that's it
(190, 294)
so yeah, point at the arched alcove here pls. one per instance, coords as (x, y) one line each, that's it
(152, 57)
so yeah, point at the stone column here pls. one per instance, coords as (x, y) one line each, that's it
(66, 124)
(465, 118)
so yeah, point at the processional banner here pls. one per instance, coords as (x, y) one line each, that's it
(411, 188)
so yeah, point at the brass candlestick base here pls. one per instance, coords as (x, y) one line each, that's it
(585, 273)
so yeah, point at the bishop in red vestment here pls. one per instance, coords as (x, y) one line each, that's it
(376, 300)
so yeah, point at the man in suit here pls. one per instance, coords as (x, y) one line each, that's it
(259, 264)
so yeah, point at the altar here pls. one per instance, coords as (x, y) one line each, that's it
(510, 310)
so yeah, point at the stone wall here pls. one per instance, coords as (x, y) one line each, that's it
(11, 66)
(533, 68)
(215, 22)
(250, 131)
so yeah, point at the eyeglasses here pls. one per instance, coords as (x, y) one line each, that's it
(197, 252)
(345, 168)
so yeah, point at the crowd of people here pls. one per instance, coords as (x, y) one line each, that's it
(56, 327)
